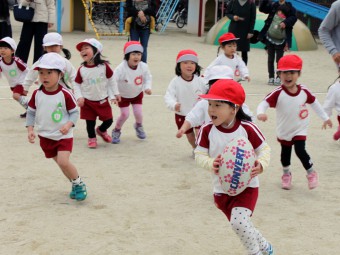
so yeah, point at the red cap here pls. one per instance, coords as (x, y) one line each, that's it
(187, 55)
(290, 63)
(226, 90)
(132, 46)
(227, 37)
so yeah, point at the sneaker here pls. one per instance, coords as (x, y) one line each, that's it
(80, 191)
(313, 180)
(139, 131)
(116, 136)
(23, 115)
(92, 143)
(271, 81)
(286, 181)
(104, 135)
(269, 250)
(73, 192)
(277, 81)
(336, 135)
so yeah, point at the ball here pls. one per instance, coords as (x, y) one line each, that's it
(238, 158)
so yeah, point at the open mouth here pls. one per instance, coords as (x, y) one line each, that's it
(213, 117)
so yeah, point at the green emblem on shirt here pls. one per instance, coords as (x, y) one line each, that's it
(13, 73)
(57, 115)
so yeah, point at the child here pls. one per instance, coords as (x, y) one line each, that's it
(230, 58)
(133, 78)
(333, 101)
(53, 42)
(94, 87)
(14, 70)
(290, 101)
(129, 21)
(228, 121)
(183, 90)
(54, 111)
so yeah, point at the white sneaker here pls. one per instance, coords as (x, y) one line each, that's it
(277, 81)
(271, 81)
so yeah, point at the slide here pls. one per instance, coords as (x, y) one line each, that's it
(310, 8)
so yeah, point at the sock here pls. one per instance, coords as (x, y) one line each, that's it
(76, 181)
(310, 170)
(286, 170)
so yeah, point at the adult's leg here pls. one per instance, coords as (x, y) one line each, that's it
(279, 53)
(25, 41)
(144, 40)
(245, 57)
(40, 30)
(271, 57)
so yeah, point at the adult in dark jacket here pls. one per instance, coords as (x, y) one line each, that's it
(242, 15)
(141, 10)
(5, 23)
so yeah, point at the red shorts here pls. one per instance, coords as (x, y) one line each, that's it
(19, 89)
(51, 147)
(179, 122)
(93, 109)
(125, 102)
(246, 199)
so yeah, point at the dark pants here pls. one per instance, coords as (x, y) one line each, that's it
(29, 30)
(142, 35)
(245, 57)
(273, 50)
(301, 153)
(5, 30)
(91, 124)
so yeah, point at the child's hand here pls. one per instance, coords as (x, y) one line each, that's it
(31, 136)
(247, 78)
(257, 169)
(148, 91)
(217, 164)
(180, 133)
(114, 101)
(327, 123)
(286, 48)
(262, 117)
(249, 36)
(118, 98)
(80, 101)
(282, 25)
(25, 92)
(64, 129)
(177, 107)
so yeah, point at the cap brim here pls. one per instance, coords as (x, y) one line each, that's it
(50, 44)
(79, 45)
(288, 69)
(213, 97)
(235, 39)
(46, 67)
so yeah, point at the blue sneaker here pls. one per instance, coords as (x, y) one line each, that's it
(139, 131)
(269, 250)
(73, 192)
(80, 191)
(116, 136)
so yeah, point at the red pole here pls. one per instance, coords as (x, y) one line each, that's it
(200, 19)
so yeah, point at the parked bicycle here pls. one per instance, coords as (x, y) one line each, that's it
(182, 18)
(106, 13)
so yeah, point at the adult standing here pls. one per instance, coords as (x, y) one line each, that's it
(140, 11)
(329, 32)
(242, 15)
(43, 19)
(5, 23)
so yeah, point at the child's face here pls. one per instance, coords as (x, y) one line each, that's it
(86, 53)
(6, 52)
(220, 113)
(230, 49)
(53, 48)
(187, 68)
(134, 59)
(289, 78)
(49, 78)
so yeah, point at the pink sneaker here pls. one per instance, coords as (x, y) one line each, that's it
(286, 181)
(336, 135)
(106, 137)
(92, 143)
(313, 180)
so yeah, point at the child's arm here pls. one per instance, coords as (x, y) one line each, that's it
(261, 109)
(244, 71)
(147, 82)
(30, 120)
(73, 118)
(184, 128)
(31, 77)
(170, 98)
(316, 106)
(329, 103)
(203, 160)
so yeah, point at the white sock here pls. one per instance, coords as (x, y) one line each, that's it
(76, 181)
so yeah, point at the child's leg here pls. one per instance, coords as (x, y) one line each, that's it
(105, 125)
(191, 139)
(138, 113)
(302, 154)
(90, 127)
(336, 135)
(124, 115)
(63, 161)
(286, 179)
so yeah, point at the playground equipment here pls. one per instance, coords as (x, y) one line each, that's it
(165, 12)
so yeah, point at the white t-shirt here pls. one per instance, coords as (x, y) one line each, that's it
(332, 99)
(14, 72)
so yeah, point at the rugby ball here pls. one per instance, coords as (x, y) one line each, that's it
(238, 158)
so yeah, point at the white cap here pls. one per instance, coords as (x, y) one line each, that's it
(219, 72)
(52, 39)
(51, 60)
(95, 43)
(10, 42)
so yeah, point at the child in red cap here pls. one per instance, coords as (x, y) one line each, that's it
(134, 79)
(183, 90)
(292, 117)
(230, 58)
(228, 121)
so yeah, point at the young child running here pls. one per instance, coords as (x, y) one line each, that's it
(230, 58)
(183, 90)
(53, 42)
(333, 101)
(292, 117)
(94, 87)
(14, 70)
(133, 78)
(228, 121)
(54, 111)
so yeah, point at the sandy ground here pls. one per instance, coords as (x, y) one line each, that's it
(149, 197)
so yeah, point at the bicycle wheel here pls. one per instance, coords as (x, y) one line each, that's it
(180, 21)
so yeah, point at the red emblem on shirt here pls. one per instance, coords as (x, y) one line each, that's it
(303, 114)
(139, 80)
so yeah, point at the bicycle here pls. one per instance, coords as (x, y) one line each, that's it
(182, 18)
(107, 13)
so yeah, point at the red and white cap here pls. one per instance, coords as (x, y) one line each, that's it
(10, 42)
(289, 63)
(132, 46)
(227, 37)
(219, 72)
(187, 55)
(51, 60)
(95, 43)
(226, 90)
(52, 39)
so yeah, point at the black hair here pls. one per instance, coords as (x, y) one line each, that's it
(224, 44)
(4, 9)
(62, 78)
(279, 72)
(66, 52)
(97, 60)
(179, 72)
(127, 56)
(5, 44)
(240, 115)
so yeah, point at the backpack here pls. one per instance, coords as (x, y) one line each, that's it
(275, 34)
